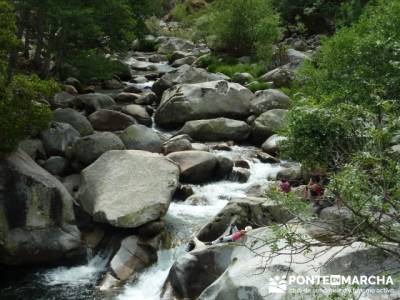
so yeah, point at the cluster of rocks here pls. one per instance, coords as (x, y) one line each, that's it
(102, 158)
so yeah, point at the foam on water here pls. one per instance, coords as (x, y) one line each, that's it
(78, 275)
(184, 219)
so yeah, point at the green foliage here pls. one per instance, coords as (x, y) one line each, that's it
(360, 64)
(319, 16)
(325, 138)
(89, 65)
(354, 87)
(230, 69)
(22, 111)
(8, 40)
(367, 185)
(240, 28)
(257, 86)
(61, 29)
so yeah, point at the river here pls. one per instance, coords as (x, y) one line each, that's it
(182, 220)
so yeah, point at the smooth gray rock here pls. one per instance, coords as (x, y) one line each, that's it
(220, 129)
(93, 102)
(110, 120)
(178, 143)
(58, 138)
(195, 166)
(87, 149)
(125, 97)
(206, 100)
(139, 113)
(172, 44)
(128, 188)
(140, 137)
(185, 74)
(75, 119)
(269, 99)
(36, 223)
(253, 211)
(34, 148)
(62, 100)
(134, 255)
(272, 144)
(268, 123)
(56, 165)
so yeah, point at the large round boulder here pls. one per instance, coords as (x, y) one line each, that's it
(220, 129)
(185, 74)
(36, 224)
(93, 102)
(62, 100)
(140, 137)
(89, 148)
(75, 119)
(272, 144)
(128, 188)
(195, 166)
(58, 138)
(206, 100)
(110, 120)
(133, 256)
(172, 44)
(269, 99)
(139, 112)
(268, 124)
(177, 143)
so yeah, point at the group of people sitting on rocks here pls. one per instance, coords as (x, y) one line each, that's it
(313, 192)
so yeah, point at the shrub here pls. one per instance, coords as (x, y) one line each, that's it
(230, 69)
(325, 138)
(90, 64)
(22, 111)
(247, 27)
(360, 64)
(319, 16)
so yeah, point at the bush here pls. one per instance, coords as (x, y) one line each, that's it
(90, 64)
(244, 28)
(360, 64)
(22, 110)
(325, 138)
(230, 69)
(319, 16)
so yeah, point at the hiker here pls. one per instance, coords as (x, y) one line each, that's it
(232, 237)
(285, 186)
(314, 192)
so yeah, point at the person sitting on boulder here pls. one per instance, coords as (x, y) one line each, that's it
(232, 237)
(285, 186)
(315, 193)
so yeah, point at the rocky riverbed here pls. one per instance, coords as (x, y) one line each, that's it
(103, 204)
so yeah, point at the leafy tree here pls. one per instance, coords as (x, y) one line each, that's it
(22, 111)
(320, 16)
(358, 68)
(240, 28)
(344, 122)
(61, 29)
(360, 64)
(8, 39)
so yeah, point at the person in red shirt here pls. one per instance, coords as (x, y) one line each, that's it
(233, 237)
(285, 186)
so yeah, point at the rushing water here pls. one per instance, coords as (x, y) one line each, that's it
(182, 220)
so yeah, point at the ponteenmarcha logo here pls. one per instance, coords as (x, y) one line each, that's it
(279, 284)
